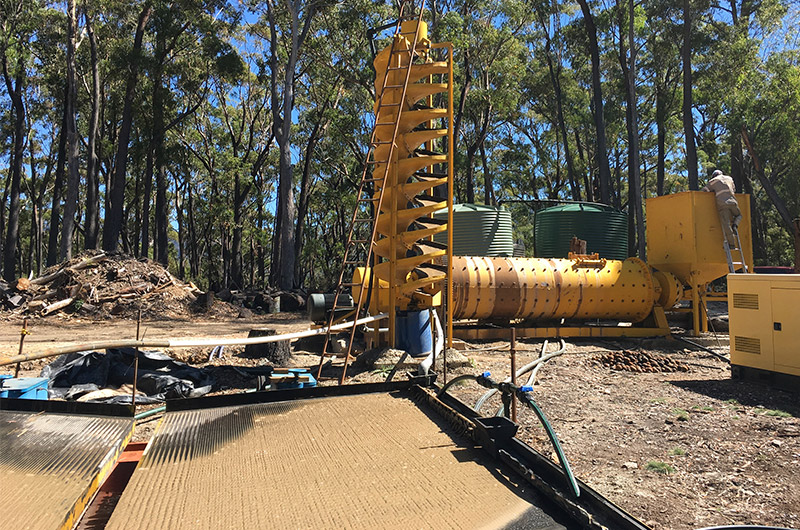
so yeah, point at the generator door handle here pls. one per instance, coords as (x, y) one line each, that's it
(776, 326)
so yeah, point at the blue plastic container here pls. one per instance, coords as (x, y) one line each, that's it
(413, 333)
(296, 383)
(24, 388)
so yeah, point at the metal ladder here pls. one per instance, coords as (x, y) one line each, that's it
(733, 265)
(361, 238)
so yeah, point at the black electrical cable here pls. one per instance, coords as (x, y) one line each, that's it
(709, 350)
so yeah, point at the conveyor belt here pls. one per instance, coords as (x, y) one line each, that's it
(52, 463)
(361, 461)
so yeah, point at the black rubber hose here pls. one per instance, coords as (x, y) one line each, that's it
(522, 394)
(562, 458)
(465, 377)
(709, 350)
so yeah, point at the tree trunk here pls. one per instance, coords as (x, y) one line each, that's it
(634, 175)
(73, 178)
(601, 152)
(114, 215)
(93, 166)
(688, 120)
(194, 256)
(470, 180)
(58, 186)
(239, 196)
(736, 161)
(661, 138)
(282, 108)
(146, 198)
(161, 219)
(260, 223)
(562, 125)
(179, 211)
(488, 185)
(14, 89)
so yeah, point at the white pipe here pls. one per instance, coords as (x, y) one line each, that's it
(178, 343)
(191, 343)
(438, 348)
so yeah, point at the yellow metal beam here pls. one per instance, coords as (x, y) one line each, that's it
(479, 333)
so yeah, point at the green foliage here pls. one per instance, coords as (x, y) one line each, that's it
(680, 414)
(660, 467)
(777, 413)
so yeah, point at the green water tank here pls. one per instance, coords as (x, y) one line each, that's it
(479, 230)
(605, 230)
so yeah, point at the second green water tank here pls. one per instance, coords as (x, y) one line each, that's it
(605, 230)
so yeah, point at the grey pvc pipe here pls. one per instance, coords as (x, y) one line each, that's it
(522, 371)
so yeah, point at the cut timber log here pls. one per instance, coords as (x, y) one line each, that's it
(138, 288)
(277, 353)
(42, 280)
(55, 306)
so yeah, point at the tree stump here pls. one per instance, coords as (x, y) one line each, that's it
(204, 301)
(278, 353)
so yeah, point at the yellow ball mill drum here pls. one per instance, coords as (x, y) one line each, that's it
(486, 288)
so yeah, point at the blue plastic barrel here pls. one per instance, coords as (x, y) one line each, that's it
(413, 332)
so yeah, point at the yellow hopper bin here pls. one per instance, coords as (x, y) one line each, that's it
(684, 237)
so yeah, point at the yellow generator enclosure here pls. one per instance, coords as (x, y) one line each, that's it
(684, 236)
(764, 321)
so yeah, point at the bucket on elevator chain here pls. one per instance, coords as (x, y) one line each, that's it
(413, 332)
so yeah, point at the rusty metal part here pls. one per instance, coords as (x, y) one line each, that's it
(339, 462)
(51, 464)
(550, 289)
(24, 331)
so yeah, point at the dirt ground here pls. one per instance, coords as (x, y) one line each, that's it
(678, 450)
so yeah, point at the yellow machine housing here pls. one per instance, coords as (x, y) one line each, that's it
(764, 322)
(684, 237)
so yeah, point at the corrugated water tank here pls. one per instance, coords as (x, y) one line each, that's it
(479, 230)
(605, 230)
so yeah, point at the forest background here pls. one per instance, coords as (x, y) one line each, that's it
(227, 139)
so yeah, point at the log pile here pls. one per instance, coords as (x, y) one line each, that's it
(97, 284)
(641, 362)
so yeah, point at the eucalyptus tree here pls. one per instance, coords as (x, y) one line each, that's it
(189, 41)
(286, 28)
(489, 51)
(71, 104)
(663, 68)
(601, 149)
(628, 52)
(112, 226)
(18, 24)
